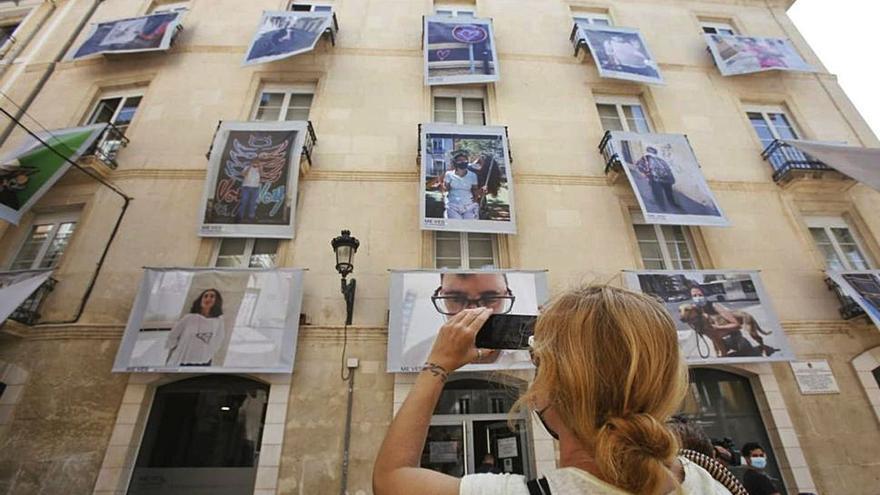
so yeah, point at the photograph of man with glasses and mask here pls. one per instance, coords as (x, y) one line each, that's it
(421, 301)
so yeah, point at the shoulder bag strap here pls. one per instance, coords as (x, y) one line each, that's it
(716, 469)
(538, 487)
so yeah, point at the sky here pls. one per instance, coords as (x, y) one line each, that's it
(841, 33)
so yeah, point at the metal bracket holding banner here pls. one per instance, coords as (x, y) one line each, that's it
(332, 30)
(849, 309)
(579, 43)
(612, 160)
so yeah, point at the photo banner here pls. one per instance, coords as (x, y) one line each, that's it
(720, 316)
(459, 50)
(16, 287)
(283, 34)
(136, 34)
(864, 288)
(735, 55)
(466, 181)
(210, 320)
(422, 300)
(666, 178)
(619, 53)
(253, 171)
(32, 169)
(861, 164)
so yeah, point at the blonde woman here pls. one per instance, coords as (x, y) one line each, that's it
(609, 374)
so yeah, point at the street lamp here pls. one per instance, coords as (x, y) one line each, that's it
(345, 246)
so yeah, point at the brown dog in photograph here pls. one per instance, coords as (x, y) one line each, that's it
(690, 314)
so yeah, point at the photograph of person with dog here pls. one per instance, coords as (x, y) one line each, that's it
(720, 316)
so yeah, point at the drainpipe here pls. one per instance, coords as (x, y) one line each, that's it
(346, 442)
(19, 46)
(25, 105)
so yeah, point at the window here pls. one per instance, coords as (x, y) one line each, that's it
(711, 27)
(7, 32)
(771, 123)
(837, 243)
(167, 6)
(594, 18)
(465, 250)
(455, 11)
(284, 103)
(460, 107)
(200, 431)
(246, 253)
(622, 114)
(118, 110)
(46, 241)
(664, 247)
(310, 7)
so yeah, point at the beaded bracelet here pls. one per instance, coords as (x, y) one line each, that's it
(436, 370)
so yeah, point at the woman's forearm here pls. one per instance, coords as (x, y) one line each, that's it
(405, 439)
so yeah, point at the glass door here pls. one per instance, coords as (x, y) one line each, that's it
(508, 449)
(446, 448)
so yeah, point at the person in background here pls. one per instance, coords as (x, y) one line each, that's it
(609, 375)
(756, 480)
(488, 465)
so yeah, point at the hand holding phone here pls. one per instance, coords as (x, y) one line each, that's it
(506, 332)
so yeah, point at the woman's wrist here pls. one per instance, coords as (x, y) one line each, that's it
(433, 369)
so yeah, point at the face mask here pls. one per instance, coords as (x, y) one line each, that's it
(699, 300)
(540, 416)
(759, 462)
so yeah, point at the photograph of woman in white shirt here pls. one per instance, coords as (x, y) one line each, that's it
(196, 338)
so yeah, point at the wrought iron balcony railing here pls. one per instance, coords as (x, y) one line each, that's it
(848, 309)
(28, 312)
(786, 159)
(107, 146)
(609, 154)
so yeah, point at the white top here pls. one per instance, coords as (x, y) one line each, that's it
(195, 340)
(573, 481)
(459, 188)
(251, 177)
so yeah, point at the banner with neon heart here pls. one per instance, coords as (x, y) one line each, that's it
(459, 51)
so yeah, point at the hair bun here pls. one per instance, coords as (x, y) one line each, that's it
(636, 443)
(641, 433)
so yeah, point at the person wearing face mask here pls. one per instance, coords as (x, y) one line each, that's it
(755, 479)
(588, 345)
(462, 188)
(732, 322)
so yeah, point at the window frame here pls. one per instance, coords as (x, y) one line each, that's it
(312, 6)
(55, 219)
(460, 95)
(836, 222)
(590, 18)
(248, 252)
(455, 10)
(464, 250)
(108, 95)
(619, 102)
(765, 111)
(638, 219)
(289, 90)
(718, 25)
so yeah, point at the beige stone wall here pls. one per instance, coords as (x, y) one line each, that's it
(369, 99)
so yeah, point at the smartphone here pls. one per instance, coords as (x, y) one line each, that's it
(506, 332)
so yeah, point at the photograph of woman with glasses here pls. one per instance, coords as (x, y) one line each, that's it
(429, 299)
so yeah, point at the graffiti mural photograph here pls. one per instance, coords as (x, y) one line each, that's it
(720, 316)
(252, 178)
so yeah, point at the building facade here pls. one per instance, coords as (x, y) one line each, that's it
(69, 424)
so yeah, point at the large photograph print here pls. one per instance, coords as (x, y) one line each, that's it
(213, 320)
(620, 53)
(31, 170)
(667, 179)
(16, 287)
(459, 51)
(721, 316)
(864, 288)
(285, 34)
(747, 54)
(466, 179)
(421, 301)
(252, 179)
(137, 34)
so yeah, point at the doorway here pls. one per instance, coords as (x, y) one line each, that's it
(471, 423)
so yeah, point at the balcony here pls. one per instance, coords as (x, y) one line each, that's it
(28, 312)
(849, 309)
(101, 156)
(613, 165)
(794, 168)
